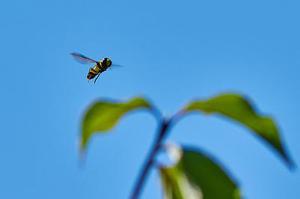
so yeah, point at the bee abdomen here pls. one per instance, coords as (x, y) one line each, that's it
(92, 73)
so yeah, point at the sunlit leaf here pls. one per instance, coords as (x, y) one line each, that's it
(196, 176)
(103, 115)
(238, 108)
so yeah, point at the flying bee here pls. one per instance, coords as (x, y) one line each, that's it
(97, 69)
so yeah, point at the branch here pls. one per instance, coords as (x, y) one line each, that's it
(150, 159)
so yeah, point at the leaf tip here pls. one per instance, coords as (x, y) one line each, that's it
(289, 162)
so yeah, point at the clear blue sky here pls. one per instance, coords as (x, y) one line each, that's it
(174, 51)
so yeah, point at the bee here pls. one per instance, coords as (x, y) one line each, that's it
(97, 69)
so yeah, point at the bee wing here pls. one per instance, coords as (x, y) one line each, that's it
(114, 66)
(82, 59)
(117, 65)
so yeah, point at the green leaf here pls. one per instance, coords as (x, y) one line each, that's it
(239, 109)
(103, 115)
(196, 176)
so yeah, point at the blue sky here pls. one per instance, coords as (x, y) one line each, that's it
(173, 52)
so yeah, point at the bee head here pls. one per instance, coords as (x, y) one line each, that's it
(107, 62)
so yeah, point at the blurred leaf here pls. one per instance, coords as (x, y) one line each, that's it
(196, 176)
(239, 109)
(103, 115)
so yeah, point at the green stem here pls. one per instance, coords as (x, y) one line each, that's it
(150, 160)
(163, 129)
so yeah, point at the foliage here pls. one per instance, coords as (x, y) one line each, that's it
(195, 174)
(103, 115)
(239, 109)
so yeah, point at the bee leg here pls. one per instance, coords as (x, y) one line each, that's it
(96, 78)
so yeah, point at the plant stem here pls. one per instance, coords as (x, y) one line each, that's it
(162, 132)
